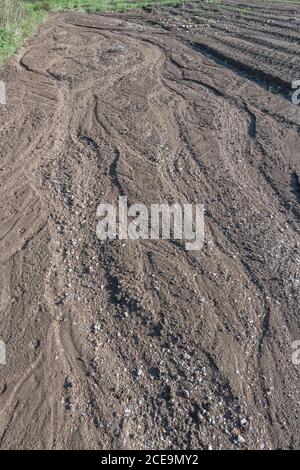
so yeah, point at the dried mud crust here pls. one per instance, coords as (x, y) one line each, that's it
(144, 344)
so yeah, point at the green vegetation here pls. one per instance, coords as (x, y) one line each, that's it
(16, 23)
(95, 5)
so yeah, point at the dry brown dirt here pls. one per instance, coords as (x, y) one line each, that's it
(130, 345)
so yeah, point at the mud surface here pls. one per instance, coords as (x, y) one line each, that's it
(144, 344)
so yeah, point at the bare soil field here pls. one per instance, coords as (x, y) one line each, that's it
(142, 344)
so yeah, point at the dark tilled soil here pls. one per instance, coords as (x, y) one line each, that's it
(142, 344)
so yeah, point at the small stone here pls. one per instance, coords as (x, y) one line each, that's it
(96, 327)
(185, 393)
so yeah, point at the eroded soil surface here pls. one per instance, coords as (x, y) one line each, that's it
(143, 344)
